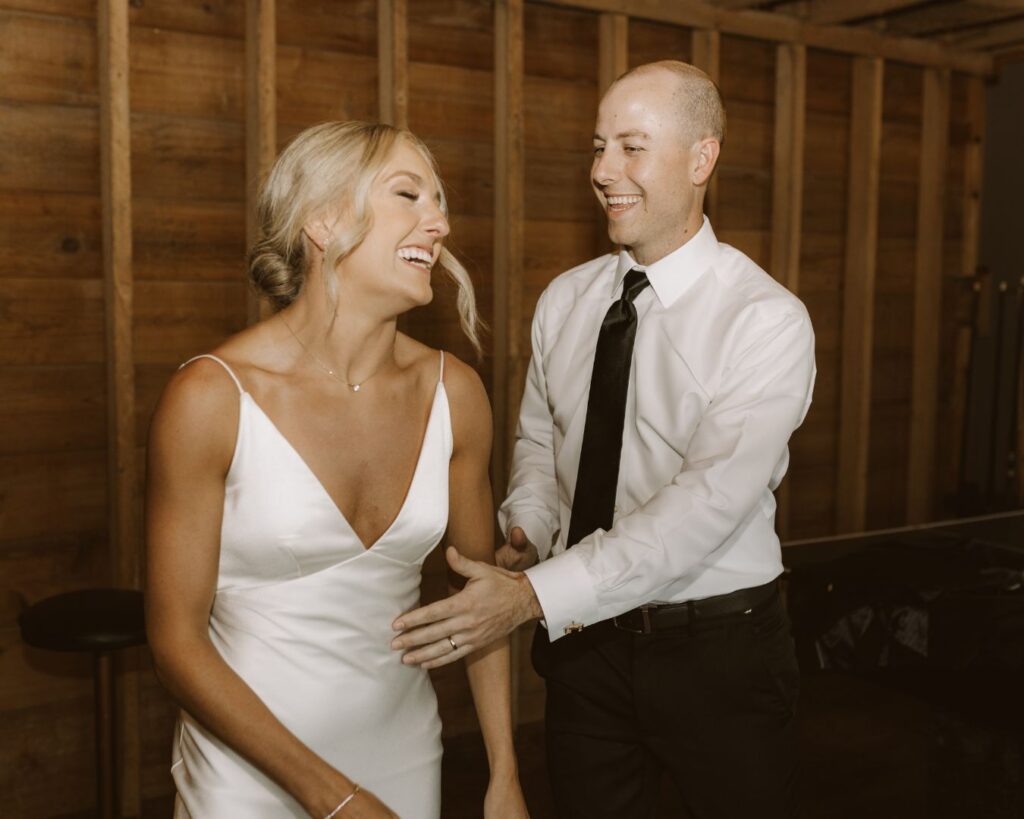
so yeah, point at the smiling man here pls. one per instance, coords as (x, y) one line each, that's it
(664, 385)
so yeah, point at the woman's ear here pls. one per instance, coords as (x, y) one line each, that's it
(706, 153)
(318, 232)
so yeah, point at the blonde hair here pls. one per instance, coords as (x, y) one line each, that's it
(330, 163)
(698, 99)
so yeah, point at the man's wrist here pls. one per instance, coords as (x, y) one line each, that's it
(529, 608)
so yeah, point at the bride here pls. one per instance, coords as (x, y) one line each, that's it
(298, 477)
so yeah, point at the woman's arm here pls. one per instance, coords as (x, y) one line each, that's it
(471, 531)
(190, 449)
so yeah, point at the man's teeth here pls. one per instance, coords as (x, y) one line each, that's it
(620, 201)
(417, 256)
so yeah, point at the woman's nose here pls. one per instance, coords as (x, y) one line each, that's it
(436, 223)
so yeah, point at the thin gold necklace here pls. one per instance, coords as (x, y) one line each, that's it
(324, 367)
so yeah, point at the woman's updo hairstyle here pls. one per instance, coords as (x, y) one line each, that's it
(330, 165)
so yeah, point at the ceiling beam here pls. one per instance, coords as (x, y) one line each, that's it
(739, 4)
(829, 12)
(777, 28)
(995, 35)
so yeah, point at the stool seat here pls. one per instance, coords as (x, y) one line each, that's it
(86, 620)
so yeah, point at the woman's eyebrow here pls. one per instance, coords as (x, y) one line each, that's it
(415, 177)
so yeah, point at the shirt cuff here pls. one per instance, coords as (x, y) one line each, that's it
(566, 594)
(536, 531)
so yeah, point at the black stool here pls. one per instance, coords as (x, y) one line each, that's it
(100, 621)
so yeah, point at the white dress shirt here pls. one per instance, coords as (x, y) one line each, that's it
(723, 367)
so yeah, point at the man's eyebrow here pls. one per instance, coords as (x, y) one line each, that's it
(626, 135)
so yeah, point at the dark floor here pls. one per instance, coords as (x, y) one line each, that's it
(866, 752)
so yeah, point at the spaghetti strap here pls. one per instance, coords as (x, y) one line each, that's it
(225, 366)
(440, 377)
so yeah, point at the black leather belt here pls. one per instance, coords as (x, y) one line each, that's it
(650, 618)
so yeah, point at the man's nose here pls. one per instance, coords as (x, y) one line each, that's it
(605, 169)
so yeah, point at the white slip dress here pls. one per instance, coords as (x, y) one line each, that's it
(303, 614)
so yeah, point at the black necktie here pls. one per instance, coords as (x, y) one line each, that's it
(593, 503)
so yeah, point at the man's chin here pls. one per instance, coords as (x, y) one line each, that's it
(618, 235)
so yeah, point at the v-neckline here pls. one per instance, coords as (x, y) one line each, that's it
(323, 488)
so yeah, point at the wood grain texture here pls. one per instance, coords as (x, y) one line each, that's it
(393, 57)
(260, 122)
(927, 295)
(509, 198)
(764, 25)
(124, 527)
(787, 196)
(858, 293)
(613, 49)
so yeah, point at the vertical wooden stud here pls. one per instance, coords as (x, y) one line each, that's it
(393, 61)
(260, 119)
(859, 292)
(613, 49)
(509, 186)
(970, 237)
(122, 474)
(787, 192)
(509, 155)
(705, 50)
(973, 173)
(924, 393)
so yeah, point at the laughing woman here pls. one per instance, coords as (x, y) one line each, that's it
(298, 477)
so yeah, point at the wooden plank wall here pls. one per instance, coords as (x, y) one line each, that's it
(515, 150)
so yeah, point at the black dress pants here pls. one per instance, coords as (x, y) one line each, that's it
(711, 704)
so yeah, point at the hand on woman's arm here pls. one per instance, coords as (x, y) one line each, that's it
(470, 530)
(190, 449)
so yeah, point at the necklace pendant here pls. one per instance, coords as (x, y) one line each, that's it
(355, 387)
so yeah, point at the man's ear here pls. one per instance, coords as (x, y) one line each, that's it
(706, 154)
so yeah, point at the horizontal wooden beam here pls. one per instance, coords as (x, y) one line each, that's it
(763, 25)
(839, 11)
(995, 34)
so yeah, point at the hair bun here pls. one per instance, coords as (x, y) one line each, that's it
(273, 276)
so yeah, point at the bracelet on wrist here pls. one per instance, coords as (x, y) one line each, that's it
(342, 803)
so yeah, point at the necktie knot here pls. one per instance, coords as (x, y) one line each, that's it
(634, 283)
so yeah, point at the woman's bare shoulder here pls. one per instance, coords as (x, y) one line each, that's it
(470, 406)
(197, 413)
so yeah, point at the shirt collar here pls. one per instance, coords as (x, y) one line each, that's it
(674, 274)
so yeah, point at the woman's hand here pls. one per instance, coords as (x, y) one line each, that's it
(504, 799)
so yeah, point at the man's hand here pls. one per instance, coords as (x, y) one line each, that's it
(493, 603)
(518, 554)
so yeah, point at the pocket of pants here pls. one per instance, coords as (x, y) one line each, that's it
(777, 653)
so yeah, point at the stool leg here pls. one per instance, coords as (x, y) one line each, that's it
(105, 735)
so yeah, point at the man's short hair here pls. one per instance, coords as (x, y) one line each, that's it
(698, 100)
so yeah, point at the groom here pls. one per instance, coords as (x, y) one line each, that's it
(664, 385)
